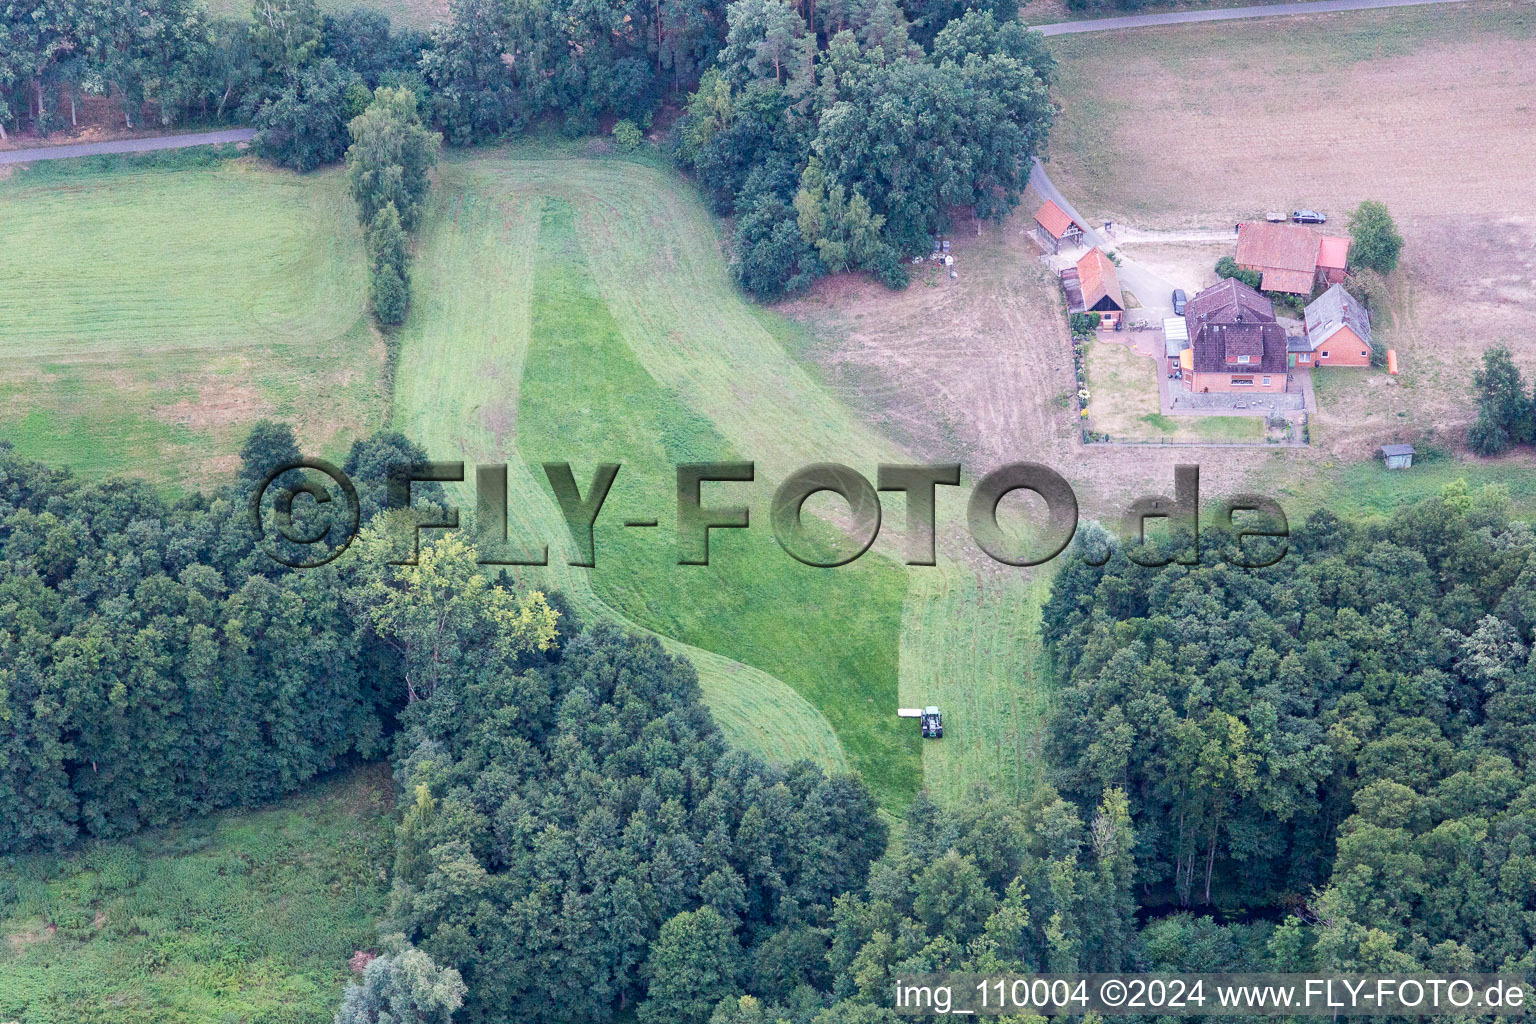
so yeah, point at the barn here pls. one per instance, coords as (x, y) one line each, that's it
(1338, 331)
(1093, 287)
(1055, 228)
(1286, 254)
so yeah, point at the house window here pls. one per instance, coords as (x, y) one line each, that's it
(1242, 359)
(1242, 382)
(1266, 382)
(1325, 355)
(1362, 353)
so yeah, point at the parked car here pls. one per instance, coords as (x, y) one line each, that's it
(1309, 217)
(1179, 298)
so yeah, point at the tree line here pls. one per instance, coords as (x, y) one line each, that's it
(841, 135)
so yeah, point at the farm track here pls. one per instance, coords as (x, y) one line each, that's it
(1132, 21)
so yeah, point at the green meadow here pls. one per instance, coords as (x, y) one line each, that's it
(238, 917)
(151, 315)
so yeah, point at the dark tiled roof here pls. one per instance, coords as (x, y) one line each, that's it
(1231, 301)
(1218, 346)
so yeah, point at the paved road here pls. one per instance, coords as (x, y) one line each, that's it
(27, 156)
(1229, 14)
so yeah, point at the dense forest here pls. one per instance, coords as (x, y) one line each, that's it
(1326, 763)
(800, 119)
(1347, 737)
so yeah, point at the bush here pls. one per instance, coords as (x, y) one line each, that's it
(1227, 267)
(626, 134)
(1084, 324)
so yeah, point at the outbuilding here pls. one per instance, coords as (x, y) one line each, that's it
(1332, 259)
(1397, 456)
(1175, 340)
(1055, 228)
(1285, 254)
(1093, 287)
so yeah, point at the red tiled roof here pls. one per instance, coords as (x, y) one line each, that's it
(1286, 253)
(1097, 275)
(1297, 282)
(1054, 219)
(1333, 252)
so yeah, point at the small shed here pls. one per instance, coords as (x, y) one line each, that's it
(1397, 456)
(1332, 259)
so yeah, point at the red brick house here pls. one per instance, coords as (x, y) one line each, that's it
(1338, 331)
(1235, 344)
(1055, 228)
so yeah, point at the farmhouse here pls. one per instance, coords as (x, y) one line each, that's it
(1235, 343)
(1338, 332)
(1093, 287)
(1291, 256)
(1054, 228)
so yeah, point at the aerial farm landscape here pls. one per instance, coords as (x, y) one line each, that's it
(510, 752)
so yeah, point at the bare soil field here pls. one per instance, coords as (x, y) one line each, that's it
(1430, 110)
(1427, 109)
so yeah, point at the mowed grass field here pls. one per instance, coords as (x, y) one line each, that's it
(579, 310)
(238, 917)
(150, 316)
(564, 308)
